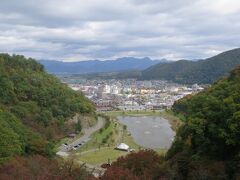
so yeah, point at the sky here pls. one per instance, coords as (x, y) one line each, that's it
(74, 30)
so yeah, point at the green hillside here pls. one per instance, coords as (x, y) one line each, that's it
(206, 146)
(204, 71)
(212, 127)
(34, 107)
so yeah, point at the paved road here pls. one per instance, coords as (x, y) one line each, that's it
(63, 151)
(83, 139)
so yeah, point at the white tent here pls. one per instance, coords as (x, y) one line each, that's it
(123, 147)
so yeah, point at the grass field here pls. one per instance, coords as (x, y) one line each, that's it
(102, 138)
(97, 151)
(133, 113)
(110, 136)
(100, 156)
(101, 146)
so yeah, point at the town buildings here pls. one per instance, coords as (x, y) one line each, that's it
(130, 94)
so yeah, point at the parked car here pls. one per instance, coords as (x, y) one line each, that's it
(65, 144)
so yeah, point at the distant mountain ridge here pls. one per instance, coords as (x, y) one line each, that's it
(203, 71)
(97, 66)
(183, 71)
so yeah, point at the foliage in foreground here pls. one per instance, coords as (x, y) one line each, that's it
(41, 168)
(145, 164)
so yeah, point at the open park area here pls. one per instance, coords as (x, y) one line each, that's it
(101, 146)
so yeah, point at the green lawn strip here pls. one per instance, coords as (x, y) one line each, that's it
(100, 156)
(173, 119)
(133, 113)
(128, 139)
(104, 133)
(98, 137)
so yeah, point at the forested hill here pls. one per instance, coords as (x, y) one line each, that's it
(203, 71)
(33, 107)
(212, 129)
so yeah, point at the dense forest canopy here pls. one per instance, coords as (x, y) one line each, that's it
(33, 107)
(212, 124)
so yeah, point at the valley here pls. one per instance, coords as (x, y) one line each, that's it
(119, 90)
(100, 146)
(45, 117)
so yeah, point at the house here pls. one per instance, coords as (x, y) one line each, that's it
(123, 147)
(72, 135)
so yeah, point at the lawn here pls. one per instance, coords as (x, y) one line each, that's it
(128, 139)
(97, 152)
(101, 146)
(114, 134)
(133, 113)
(100, 156)
(103, 137)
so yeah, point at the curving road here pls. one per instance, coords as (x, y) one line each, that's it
(83, 139)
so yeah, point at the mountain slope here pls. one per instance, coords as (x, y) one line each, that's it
(96, 66)
(203, 71)
(33, 107)
(212, 128)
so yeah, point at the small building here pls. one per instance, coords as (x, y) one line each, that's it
(72, 135)
(123, 147)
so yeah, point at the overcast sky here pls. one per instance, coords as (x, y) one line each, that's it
(73, 30)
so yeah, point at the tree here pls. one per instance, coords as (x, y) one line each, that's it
(145, 164)
(117, 173)
(78, 126)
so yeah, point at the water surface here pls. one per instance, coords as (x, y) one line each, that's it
(149, 131)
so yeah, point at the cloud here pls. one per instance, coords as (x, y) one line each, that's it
(106, 29)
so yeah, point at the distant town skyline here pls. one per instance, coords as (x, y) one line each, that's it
(103, 29)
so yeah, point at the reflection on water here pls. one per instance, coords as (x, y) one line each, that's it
(149, 131)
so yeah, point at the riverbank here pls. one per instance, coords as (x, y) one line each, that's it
(174, 121)
(167, 114)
